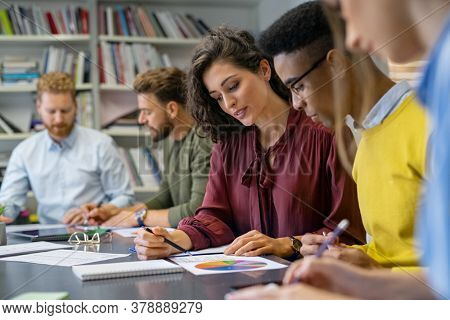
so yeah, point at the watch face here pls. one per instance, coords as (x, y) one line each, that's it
(140, 213)
(296, 244)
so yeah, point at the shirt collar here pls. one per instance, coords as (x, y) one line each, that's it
(65, 143)
(387, 104)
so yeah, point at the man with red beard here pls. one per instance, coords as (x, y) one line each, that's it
(161, 99)
(66, 165)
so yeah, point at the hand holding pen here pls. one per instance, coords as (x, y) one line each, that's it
(155, 246)
(296, 269)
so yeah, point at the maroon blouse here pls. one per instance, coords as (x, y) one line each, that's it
(305, 189)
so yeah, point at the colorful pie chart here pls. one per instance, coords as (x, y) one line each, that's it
(227, 265)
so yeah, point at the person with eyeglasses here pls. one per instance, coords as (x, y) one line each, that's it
(391, 157)
(402, 31)
(274, 173)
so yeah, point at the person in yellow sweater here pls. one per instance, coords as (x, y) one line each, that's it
(389, 165)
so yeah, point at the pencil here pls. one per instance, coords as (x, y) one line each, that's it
(170, 243)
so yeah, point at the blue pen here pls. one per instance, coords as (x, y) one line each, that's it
(336, 233)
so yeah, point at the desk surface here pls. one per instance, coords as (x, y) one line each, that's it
(17, 278)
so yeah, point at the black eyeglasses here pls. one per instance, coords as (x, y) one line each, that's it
(293, 86)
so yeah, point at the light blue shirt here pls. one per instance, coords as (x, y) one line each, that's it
(390, 101)
(84, 167)
(434, 224)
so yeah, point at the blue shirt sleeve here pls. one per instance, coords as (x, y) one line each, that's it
(13, 193)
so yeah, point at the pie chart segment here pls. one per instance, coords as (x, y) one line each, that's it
(233, 265)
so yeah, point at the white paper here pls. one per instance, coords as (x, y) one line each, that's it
(131, 232)
(64, 258)
(220, 263)
(30, 247)
(27, 227)
(215, 250)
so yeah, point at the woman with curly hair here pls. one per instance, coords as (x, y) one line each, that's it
(274, 173)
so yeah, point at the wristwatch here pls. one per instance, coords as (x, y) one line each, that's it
(296, 245)
(140, 217)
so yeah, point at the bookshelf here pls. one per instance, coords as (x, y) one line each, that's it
(247, 14)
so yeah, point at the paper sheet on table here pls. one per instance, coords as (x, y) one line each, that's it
(220, 263)
(64, 258)
(216, 250)
(15, 249)
(131, 232)
(36, 226)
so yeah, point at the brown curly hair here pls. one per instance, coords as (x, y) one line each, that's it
(55, 82)
(230, 45)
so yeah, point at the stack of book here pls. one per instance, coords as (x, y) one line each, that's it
(76, 64)
(16, 71)
(142, 166)
(85, 111)
(141, 22)
(20, 20)
(120, 62)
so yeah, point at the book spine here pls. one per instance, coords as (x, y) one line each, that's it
(157, 22)
(84, 21)
(51, 22)
(123, 21)
(6, 23)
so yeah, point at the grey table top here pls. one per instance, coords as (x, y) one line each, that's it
(17, 278)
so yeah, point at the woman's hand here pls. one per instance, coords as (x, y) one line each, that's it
(152, 246)
(353, 256)
(254, 243)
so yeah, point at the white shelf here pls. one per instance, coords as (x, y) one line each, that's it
(122, 133)
(14, 136)
(210, 3)
(44, 39)
(32, 88)
(144, 189)
(158, 41)
(116, 87)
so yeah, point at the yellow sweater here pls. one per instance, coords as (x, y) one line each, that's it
(388, 170)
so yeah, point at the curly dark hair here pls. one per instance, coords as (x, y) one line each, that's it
(234, 46)
(305, 26)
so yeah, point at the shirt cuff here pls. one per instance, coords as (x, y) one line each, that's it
(121, 201)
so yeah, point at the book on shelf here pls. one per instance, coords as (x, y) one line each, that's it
(23, 70)
(7, 126)
(32, 20)
(19, 115)
(85, 109)
(138, 21)
(16, 70)
(121, 62)
(76, 64)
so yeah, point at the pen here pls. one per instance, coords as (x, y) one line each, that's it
(324, 246)
(173, 244)
(336, 233)
(86, 216)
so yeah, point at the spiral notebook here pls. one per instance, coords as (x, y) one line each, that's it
(125, 269)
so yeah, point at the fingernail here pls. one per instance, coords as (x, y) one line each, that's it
(230, 296)
(271, 286)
